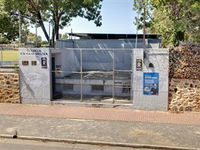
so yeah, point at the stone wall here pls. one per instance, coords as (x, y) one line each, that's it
(184, 95)
(9, 86)
(184, 85)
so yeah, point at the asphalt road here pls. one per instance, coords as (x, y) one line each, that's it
(15, 144)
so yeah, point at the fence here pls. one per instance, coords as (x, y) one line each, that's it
(9, 57)
(97, 75)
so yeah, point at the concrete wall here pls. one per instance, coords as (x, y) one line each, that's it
(35, 80)
(9, 86)
(159, 59)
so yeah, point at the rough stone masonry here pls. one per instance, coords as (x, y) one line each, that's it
(9, 86)
(184, 88)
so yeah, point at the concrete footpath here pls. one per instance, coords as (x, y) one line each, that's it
(101, 125)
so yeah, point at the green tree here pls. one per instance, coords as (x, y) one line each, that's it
(175, 20)
(8, 25)
(143, 8)
(64, 36)
(58, 12)
(31, 37)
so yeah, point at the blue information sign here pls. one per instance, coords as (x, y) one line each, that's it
(151, 84)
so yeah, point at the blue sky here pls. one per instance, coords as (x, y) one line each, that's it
(117, 15)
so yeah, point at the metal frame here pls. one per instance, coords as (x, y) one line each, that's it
(113, 50)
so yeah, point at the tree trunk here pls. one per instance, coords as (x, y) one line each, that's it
(44, 29)
(57, 33)
(57, 29)
(57, 20)
(53, 37)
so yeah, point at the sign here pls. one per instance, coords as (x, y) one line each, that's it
(58, 68)
(138, 64)
(151, 84)
(25, 63)
(33, 52)
(34, 63)
(44, 62)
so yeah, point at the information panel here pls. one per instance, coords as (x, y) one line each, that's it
(151, 84)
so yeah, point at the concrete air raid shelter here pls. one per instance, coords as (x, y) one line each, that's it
(100, 69)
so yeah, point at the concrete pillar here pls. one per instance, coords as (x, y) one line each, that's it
(150, 83)
(35, 75)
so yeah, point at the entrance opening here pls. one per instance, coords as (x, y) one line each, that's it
(53, 77)
(92, 75)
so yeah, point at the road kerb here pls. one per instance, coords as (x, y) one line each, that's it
(100, 143)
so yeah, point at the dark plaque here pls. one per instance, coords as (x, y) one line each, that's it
(34, 63)
(138, 64)
(25, 63)
(44, 62)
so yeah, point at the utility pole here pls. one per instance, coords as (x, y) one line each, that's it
(36, 44)
(36, 25)
(49, 34)
(136, 38)
(144, 26)
(20, 34)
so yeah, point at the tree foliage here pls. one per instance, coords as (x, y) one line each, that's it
(175, 20)
(144, 9)
(64, 36)
(58, 12)
(31, 37)
(8, 25)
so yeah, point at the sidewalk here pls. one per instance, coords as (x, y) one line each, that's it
(91, 113)
(110, 125)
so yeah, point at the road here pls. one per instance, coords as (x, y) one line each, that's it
(15, 144)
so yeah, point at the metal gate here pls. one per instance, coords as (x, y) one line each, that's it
(92, 75)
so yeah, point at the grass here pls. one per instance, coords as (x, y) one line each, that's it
(9, 55)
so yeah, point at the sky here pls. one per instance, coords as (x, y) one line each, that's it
(117, 17)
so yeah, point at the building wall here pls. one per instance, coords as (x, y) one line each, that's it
(87, 87)
(69, 60)
(108, 43)
(9, 87)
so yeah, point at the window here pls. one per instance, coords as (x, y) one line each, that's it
(97, 88)
(68, 87)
